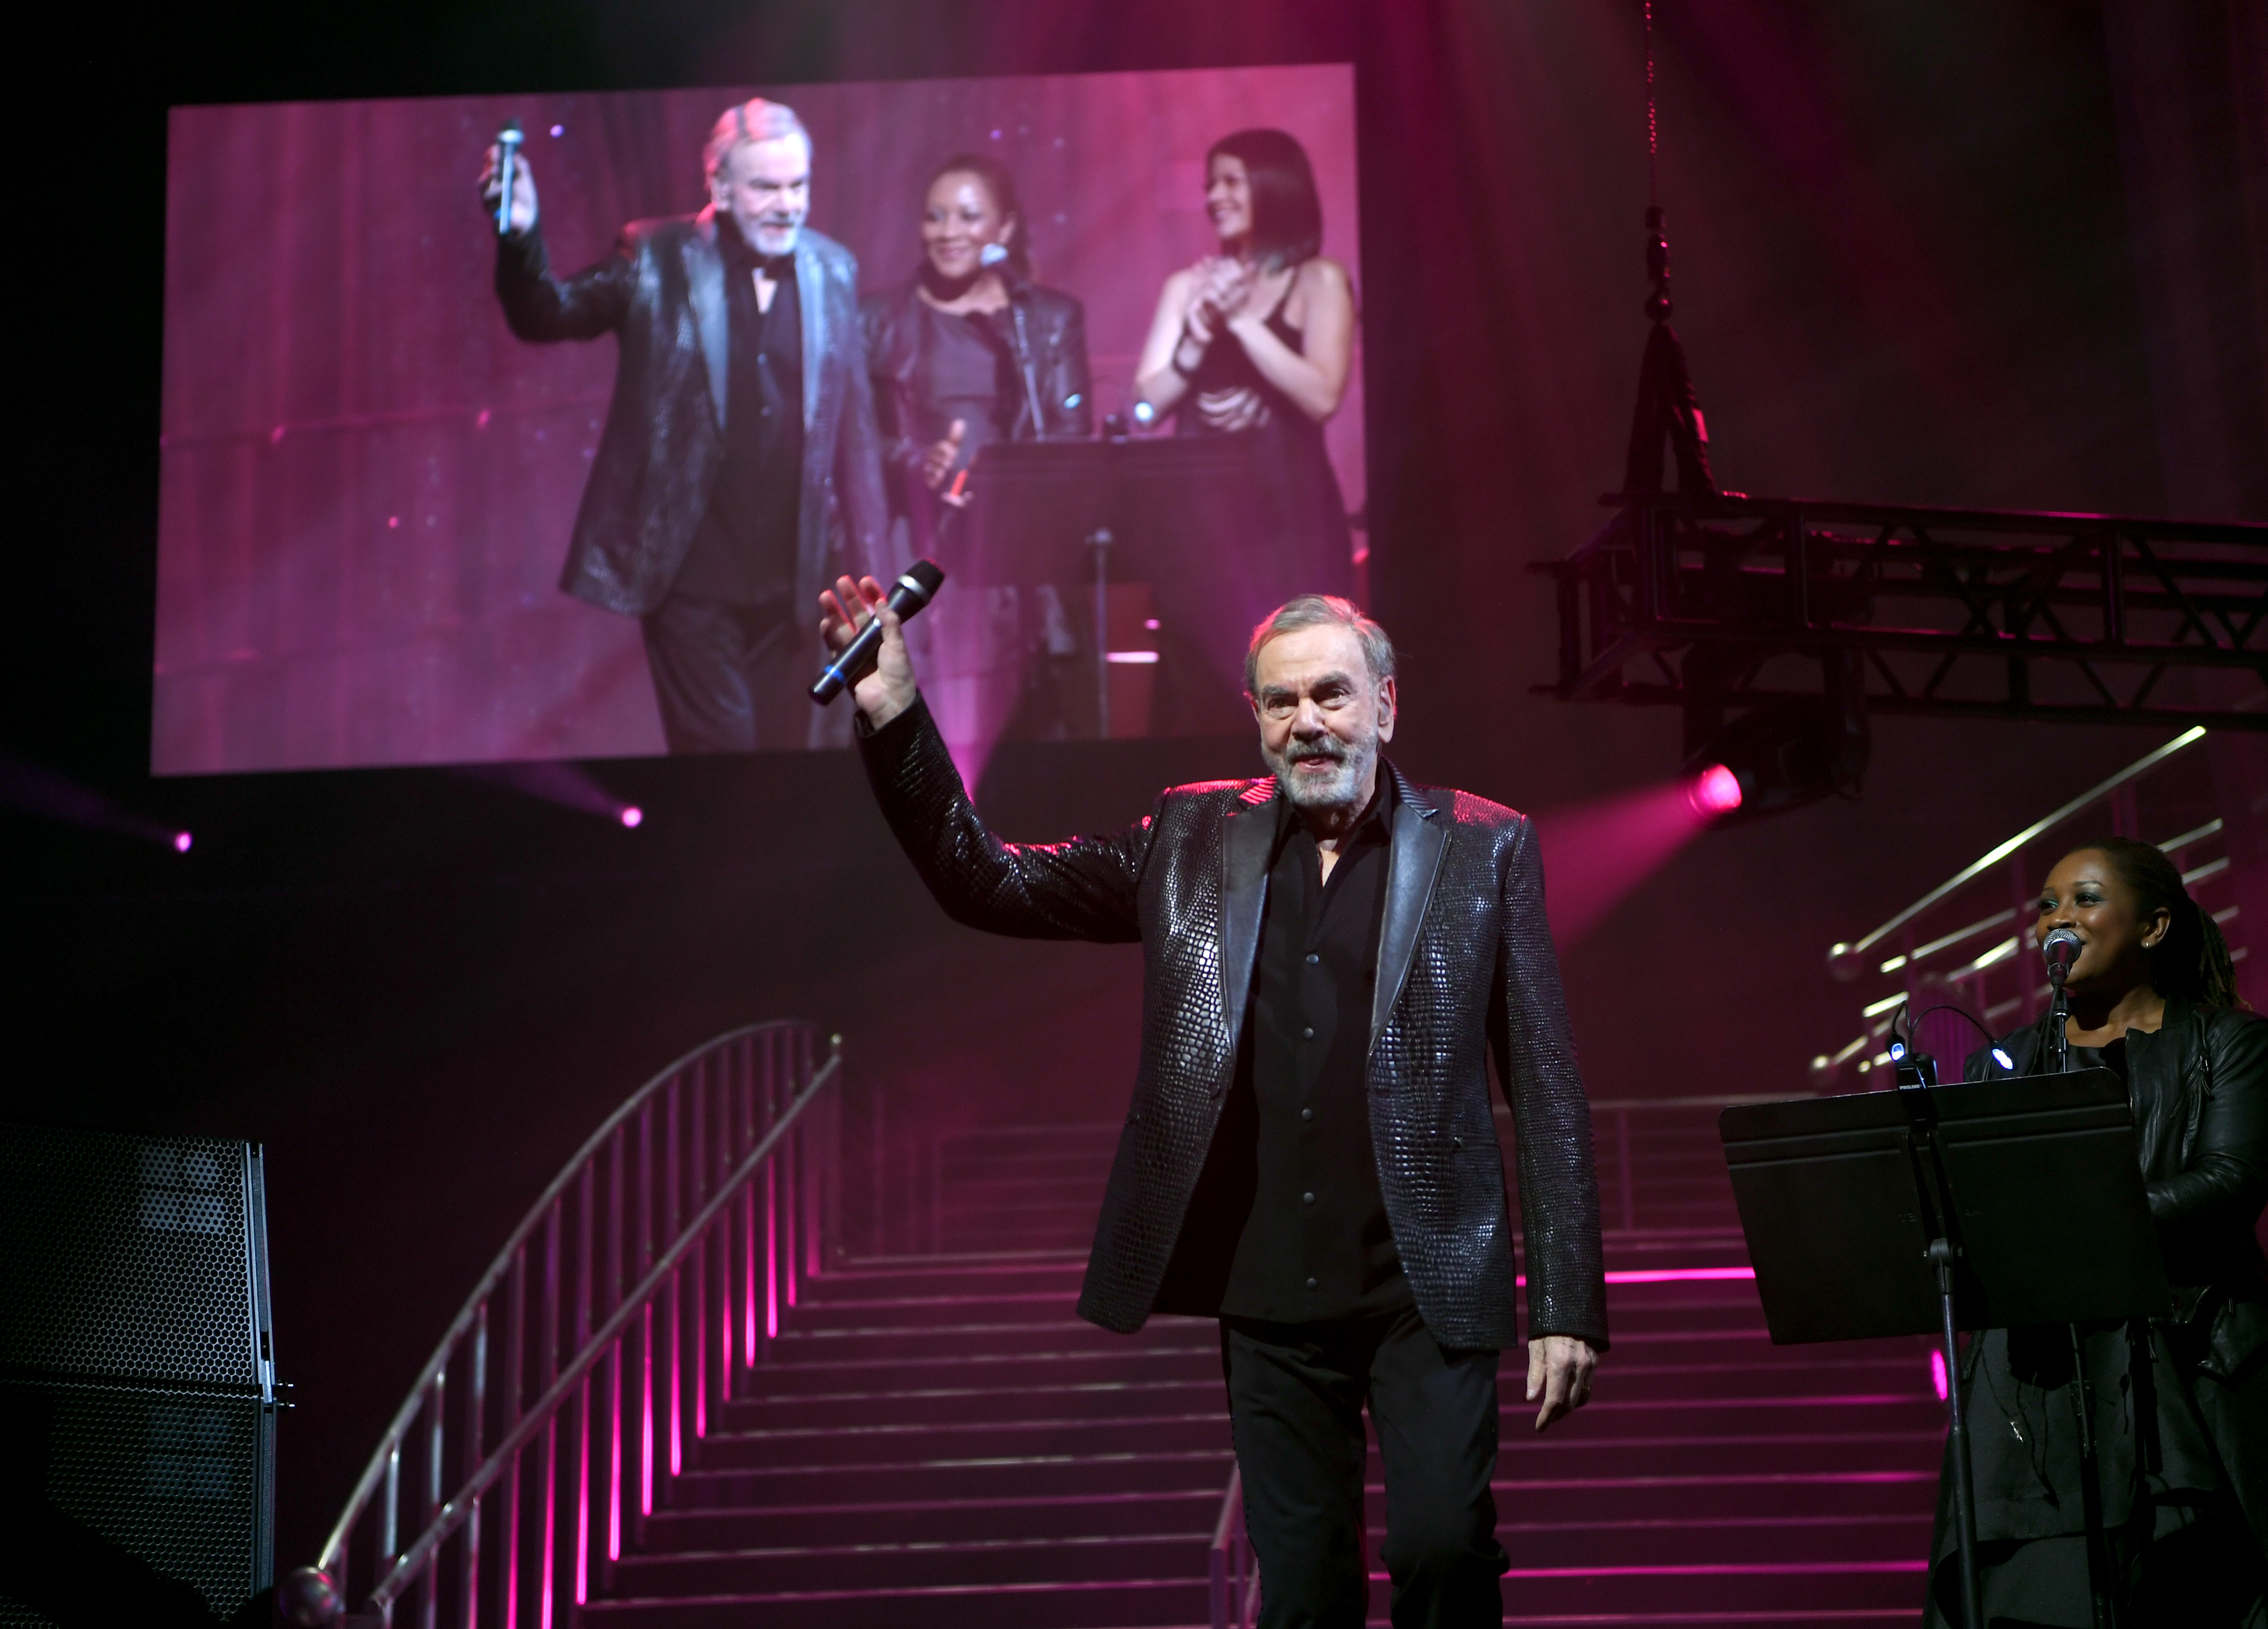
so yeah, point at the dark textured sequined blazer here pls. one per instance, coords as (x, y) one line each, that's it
(662, 293)
(1465, 968)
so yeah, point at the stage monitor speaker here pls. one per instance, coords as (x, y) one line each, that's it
(138, 1361)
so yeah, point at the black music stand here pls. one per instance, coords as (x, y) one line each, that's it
(1927, 1210)
(1160, 509)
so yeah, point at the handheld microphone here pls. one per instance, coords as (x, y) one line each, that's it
(2061, 948)
(909, 594)
(508, 141)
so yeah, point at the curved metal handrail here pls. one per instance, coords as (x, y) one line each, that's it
(754, 1084)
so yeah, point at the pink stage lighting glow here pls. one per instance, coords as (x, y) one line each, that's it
(1715, 791)
(1937, 1375)
(632, 816)
(1598, 854)
(181, 841)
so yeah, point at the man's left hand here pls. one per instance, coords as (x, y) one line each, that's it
(1559, 1372)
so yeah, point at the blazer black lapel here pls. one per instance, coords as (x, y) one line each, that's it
(705, 292)
(1420, 839)
(1247, 834)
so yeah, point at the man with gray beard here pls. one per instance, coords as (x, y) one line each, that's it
(1330, 956)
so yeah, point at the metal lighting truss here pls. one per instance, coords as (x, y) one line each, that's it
(1948, 613)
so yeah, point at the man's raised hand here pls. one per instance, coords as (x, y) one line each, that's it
(523, 190)
(845, 608)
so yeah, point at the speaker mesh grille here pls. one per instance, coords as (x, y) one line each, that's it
(125, 1257)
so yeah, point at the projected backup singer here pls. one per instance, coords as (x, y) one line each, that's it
(739, 469)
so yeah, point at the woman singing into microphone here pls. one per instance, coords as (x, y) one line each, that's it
(1258, 340)
(2181, 1402)
(952, 368)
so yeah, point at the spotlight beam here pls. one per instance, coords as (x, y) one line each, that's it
(38, 790)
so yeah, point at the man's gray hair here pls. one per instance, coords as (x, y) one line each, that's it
(1321, 610)
(755, 120)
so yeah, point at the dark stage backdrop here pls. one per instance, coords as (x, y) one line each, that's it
(368, 483)
(1905, 271)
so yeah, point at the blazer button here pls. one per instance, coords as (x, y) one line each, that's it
(1307, 1198)
(1311, 1283)
(1309, 1034)
(1306, 1114)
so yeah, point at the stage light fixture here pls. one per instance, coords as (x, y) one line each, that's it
(182, 842)
(632, 816)
(1715, 791)
(1780, 756)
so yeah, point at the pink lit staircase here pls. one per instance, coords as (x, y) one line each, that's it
(937, 1440)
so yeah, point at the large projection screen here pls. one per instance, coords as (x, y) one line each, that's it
(369, 484)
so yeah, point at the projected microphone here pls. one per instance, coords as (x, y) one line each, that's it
(508, 141)
(2061, 948)
(994, 256)
(909, 594)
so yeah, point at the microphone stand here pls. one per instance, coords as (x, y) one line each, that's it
(1019, 296)
(2103, 1610)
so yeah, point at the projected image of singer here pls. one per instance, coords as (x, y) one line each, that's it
(948, 355)
(1332, 956)
(1258, 340)
(2181, 1415)
(739, 469)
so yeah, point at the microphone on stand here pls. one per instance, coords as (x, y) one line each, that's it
(508, 141)
(994, 256)
(2060, 949)
(908, 596)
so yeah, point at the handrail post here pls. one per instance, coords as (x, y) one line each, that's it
(429, 1596)
(515, 1373)
(475, 1419)
(551, 1372)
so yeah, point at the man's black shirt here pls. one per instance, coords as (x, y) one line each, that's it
(744, 550)
(1288, 1224)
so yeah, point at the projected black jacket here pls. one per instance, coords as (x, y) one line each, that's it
(1054, 323)
(1465, 969)
(662, 293)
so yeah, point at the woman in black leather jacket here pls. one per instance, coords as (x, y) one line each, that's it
(943, 347)
(2181, 1413)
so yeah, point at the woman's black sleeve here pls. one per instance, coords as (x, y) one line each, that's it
(2226, 1182)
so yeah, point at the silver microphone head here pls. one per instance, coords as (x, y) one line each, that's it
(2060, 949)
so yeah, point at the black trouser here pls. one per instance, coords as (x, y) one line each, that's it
(1295, 1398)
(731, 678)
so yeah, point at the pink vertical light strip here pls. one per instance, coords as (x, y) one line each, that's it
(614, 1453)
(550, 1516)
(697, 1137)
(512, 1547)
(791, 1214)
(725, 1313)
(1937, 1377)
(676, 1376)
(583, 1492)
(645, 1415)
(700, 1278)
(748, 1214)
(771, 1256)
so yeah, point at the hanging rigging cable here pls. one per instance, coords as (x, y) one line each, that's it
(1667, 409)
